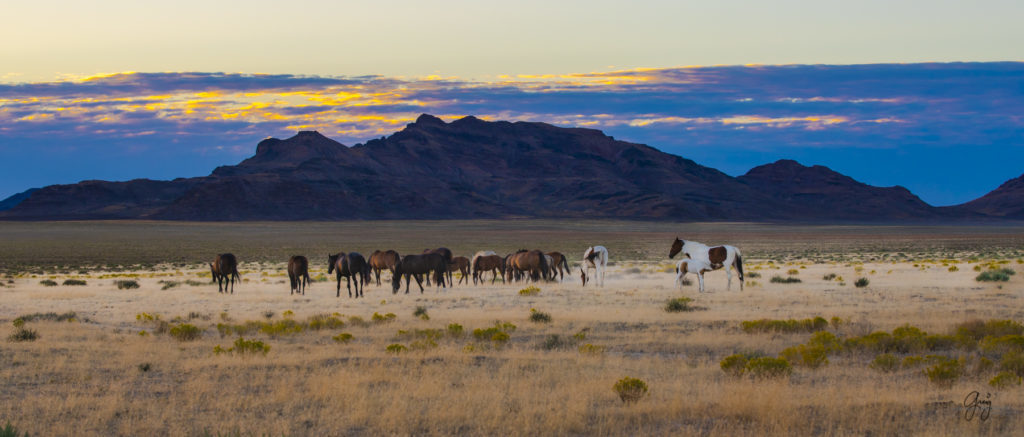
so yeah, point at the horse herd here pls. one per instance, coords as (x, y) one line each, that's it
(439, 264)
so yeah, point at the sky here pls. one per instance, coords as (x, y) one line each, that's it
(923, 94)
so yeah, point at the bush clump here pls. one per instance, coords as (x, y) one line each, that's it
(74, 282)
(786, 326)
(678, 305)
(378, 318)
(126, 284)
(421, 312)
(186, 332)
(529, 291)
(630, 390)
(787, 280)
(885, 363)
(48, 283)
(1000, 275)
(945, 372)
(396, 348)
(768, 368)
(1004, 380)
(21, 333)
(344, 337)
(734, 365)
(861, 282)
(810, 356)
(539, 317)
(454, 330)
(244, 347)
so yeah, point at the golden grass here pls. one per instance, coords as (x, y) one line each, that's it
(85, 377)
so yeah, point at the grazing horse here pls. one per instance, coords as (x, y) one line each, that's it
(447, 254)
(525, 261)
(687, 265)
(595, 257)
(716, 257)
(383, 260)
(298, 274)
(472, 262)
(461, 264)
(488, 263)
(560, 266)
(416, 265)
(225, 268)
(353, 267)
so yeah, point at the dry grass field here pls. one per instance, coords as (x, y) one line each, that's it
(126, 363)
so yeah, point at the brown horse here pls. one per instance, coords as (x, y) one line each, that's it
(525, 261)
(225, 268)
(298, 274)
(461, 264)
(353, 267)
(447, 254)
(488, 263)
(416, 265)
(383, 261)
(560, 267)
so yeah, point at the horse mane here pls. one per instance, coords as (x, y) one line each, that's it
(522, 250)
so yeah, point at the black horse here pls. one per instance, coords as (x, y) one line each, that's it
(416, 265)
(353, 267)
(225, 268)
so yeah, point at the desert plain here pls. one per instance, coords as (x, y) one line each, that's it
(114, 361)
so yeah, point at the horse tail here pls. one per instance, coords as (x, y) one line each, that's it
(739, 267)
(544, 266)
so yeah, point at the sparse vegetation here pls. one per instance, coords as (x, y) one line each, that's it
(126, 284)
(630, 390)
(48, 283)
(74, 282)
(679, 304)
(185, 332)
(529, 291)
(789, 325)
(787, 280)
(539, 317)
(861, 282)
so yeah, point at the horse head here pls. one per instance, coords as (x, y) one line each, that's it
(676, 247)
(331, 261)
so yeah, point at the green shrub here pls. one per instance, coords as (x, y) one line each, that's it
(500, 337)
(945, 372)
(590, 349)
(168, 284)
(23, 334)
(421, 312)
(810, 356)
(10, 431)
(734, 365)
(186, 332)
(554, 341)
(48, 283)
(679, 304)
(396, 348)
(324, 321)
(787, 280)
(74, 282)
(1005, 380)
(529, 291)
(281, 327)
(885, 363)
(861, 282)
(454, 330)
(825, 340)
(829, 277)
(1003, 345)
(630, 389)
(145, 367)
(768, 367)
(243, 346)
(786, 326)
(343, 337)
(126, 284)
(954, 269)
(753, 275)
(1001, 275)
(1012, 361)
(378, 318)
(539, 317)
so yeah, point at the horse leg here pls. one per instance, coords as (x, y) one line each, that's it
(700, 277)
(728, 278)
(348, 284)
(419, 281)
(338, 294)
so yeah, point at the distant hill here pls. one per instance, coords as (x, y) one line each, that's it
(471, 168)
(1007, 201)
(14, 200)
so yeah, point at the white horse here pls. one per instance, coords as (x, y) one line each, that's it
(687, 265)
(595, 257)
(715, 257)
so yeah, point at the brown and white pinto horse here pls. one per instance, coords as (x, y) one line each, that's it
(714, 257)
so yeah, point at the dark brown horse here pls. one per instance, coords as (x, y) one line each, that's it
(298, 274)
(417, 265)
(461, 264)
(353, 267)
(225, 268)
(383, 261)
(532, 262)
(488, 263)
(447, 254)
(560, 267)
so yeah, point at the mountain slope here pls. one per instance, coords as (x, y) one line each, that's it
(1006, 201)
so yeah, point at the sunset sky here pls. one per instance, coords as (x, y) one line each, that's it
(924, 94)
